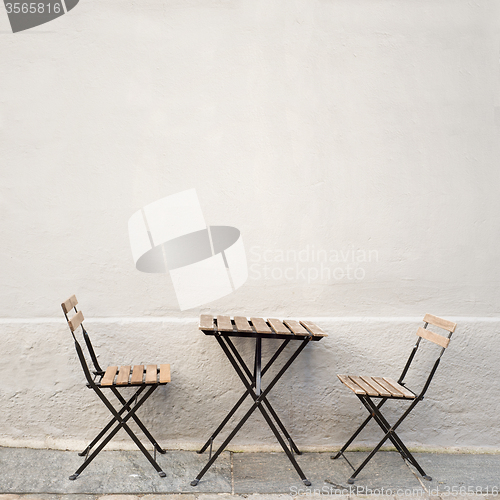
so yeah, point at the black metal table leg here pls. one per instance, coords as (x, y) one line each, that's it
(258, 399)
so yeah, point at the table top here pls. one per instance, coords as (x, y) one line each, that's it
(240, 326)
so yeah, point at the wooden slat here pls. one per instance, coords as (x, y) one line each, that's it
(109, 375)
(406, 393)
(388, 387)
(137, 374)
(314, 329)
(260, 325)
(164, 374)
(151, 371)
(366, 387)
(242, 324)
(441, 323)
(206, 322)
(349, 383)
(224, 324)
(296, 327)
(76, 321)
(433, 337)
(278, 326)
(383, 392)
(68, 304)
(123, 375)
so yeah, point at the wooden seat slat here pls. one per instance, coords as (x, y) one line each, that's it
(433, 337)
(383, 392)
(366, 387)
(68, 304)
(278, 326)
(137, 374)
(109, 375)
(260, 325)
(296, 327)
(206, 322)
(123, 375)
(388, 387)
(224, 324)
(76, 321)
(151, 374)
(440, 322)
(314, 329)
(406, 393)
(164, 374)
(345, 379)
(242, 324)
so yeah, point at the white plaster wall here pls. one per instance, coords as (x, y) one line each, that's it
(345, 126)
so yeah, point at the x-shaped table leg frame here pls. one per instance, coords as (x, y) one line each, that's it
(121, 422)
(252, 385)
(390, 433)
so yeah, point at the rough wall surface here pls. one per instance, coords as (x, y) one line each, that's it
(355, 145)
(49, 406)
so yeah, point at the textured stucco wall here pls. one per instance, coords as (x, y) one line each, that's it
(366, 131)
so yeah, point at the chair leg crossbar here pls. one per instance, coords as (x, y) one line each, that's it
(389, 433)
(120, 422)
(252, 382)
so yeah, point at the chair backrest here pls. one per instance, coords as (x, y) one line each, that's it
(74, 322)
(436, 338)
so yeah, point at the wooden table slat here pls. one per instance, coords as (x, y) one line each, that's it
(260, 325)
(296, 327)
(151, 374)
(224, 324)
(314, 329)
(206, 322)
(242, 324)
(278, 326)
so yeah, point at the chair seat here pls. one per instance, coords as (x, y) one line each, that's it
(382, 387)
(135, 376)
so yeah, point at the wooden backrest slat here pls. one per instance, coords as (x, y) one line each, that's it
(109, 375)
(206, 322)
(224, 324)
(123, 375)
(439, 322)
(67, 305)
(296, 327)
(314, 329)
(164, 374)
(137, 374)
(242, 324)
(260, 325)
(76, 321)
(151, 374)
(278, 326)
(433, 337)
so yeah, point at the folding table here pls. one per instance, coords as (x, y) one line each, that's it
(223, 328)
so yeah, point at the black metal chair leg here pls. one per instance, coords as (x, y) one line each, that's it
(355, 435)
(86, 451)
(137, 420)
(122, 423)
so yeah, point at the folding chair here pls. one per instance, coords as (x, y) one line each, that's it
(114, 378)
(368, 389)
